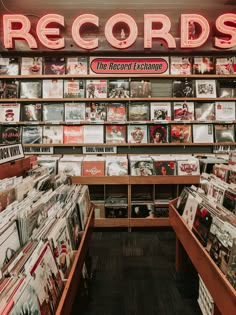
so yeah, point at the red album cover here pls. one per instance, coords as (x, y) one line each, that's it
(181, 133)
(116, 134)
(73, 134)
(93, 168)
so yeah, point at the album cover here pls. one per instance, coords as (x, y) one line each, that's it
(204, 111)
(116, 212)
(116, 112)
(142, 211)
(162, 87)
(205, 88)
(165, 167)
(118, 88)
(74, 112)
(95, 111)
(183, 110)
(53, 112)
(9, 243)
(70, 166)
(73, 134)
(183, 88)
(138, 111)
(93, 134)
(190, 210)
(181, 133)
(180, 65)
(160, 111)
(96, 88)
(52, 134)
(203, 133)
(9, 112)
(137, 134)
(11, 134)
(95, 167)
(32, 134)
(224, 110)
(31, 65)
(53, 88)
(231, 272)
(74, 88)
(115, 133)
(188, 167)
(203, 65)
(141, 166)
(76, 65)
(229, 200)
(224, 133)
(226, 88)
(54, 65)
(159, 133)
(9, 66)
(30, 89)
(10, 89)
(225, 65)
(202, 224)
(31, 112)
(116, 166)
(140, 88)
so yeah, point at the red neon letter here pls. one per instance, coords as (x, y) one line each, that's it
(78, 22)
(163, 32)
(189, 38)
(133, 31)
(43, 31)
(22, 33)
(226, 29)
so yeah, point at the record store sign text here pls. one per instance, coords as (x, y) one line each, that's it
(129, 65)
(10, 153)
(194, 31)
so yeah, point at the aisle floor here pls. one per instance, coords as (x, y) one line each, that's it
(134, 274)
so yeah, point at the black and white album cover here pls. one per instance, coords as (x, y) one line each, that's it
(9, 66)
(140, 88)
(203, 133)
(53, 134)
(53, 112)
(138, 111)
(54, 65)
(32, 134)
(76, 65)
(118, 89)
(224, 133)
(31, 65)
(137, 134)
(53, 88)
(11, 89)
(226, 88)
(225, 110)
(183, 88)
(31, 112)
(74, 88)
(205, 111)
(160, 111)
(74, 112)
(30, 89)
(205, 88)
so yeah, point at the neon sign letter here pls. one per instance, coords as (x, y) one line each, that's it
(189, 38)
(226, 29)
(78, 22)
(163, 32)
(23, 32)
(133, 31)
(43, 31)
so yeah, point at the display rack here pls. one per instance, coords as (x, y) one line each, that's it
(15, 168)
(220, 289)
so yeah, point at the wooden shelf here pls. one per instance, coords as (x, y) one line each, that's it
(169, 179)
(154, 222)
(15, 168)
(100, 180)
(118, 222)
(222, 292)
(72, 284)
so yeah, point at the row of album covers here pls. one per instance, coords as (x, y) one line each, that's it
(209, 211)
(116, 88)
(82, 112)
(118, 134)
(121, 165)
(41, 225)
(79, 65)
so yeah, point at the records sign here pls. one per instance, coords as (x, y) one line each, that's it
(10, 153)
(38, 150)
(99, 150)
(158, 65)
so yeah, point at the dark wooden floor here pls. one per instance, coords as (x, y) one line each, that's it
(134, 274)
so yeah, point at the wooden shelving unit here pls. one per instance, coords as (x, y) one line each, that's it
(15, 168)
(73, 281)
(220, 289)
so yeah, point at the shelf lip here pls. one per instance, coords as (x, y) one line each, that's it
(222, 292)
(152, 222)
(110, 222)
(101, 180)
